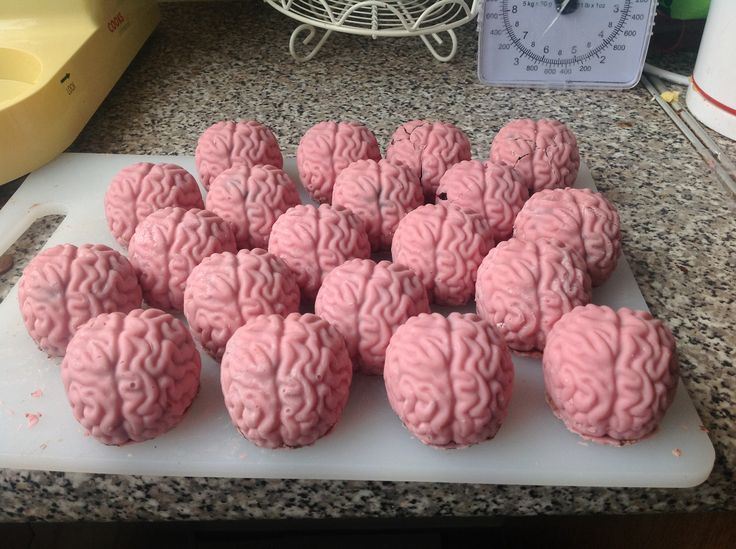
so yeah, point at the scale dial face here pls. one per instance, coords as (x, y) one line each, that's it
(553, 43)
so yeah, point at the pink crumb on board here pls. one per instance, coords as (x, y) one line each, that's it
(37, 393)
(32, 419)
(677, 452)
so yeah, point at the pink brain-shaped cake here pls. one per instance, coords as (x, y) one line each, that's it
(226, 144)
(545, 152)
(428, 149)
(314, 240)
(610, 375)
(449, 379)
(328, 148)
(250, 200)
(64, 286)
(524, 288)
(381, 194)
(168, 244)
(444, 246)
(580, 218)
(286, 380)
(131, 378)
(492, 190)
(367, 302)
(226, 290)
(138, 190)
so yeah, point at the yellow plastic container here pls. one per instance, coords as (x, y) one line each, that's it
(58, 61)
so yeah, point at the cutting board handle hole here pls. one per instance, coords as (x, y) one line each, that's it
(26, 247)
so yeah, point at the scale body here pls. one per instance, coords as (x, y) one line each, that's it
(58, 61)
(558, 44)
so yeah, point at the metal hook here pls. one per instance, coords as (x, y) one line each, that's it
(438, 39)
(312, 32)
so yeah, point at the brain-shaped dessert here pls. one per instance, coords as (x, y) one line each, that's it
(168, 244)
(226, 290)
(286, 380)
(444, 246)
(610, 375)
(130, 378)
(524, 288)
(367, 302)
(449, 379)
(328, 148)
(428, 149)
(250, 200)
(492, 190)
(381, 194)
(138, 190)
(64, 286)
(227, 144)
(545, 152)
(582, 219)
(312, 241)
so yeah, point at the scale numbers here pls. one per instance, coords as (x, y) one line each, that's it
(595, 44)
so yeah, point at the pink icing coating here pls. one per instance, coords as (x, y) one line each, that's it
(545, 152)
(226, 144)
(286, 380)
(226, 290)
(250, 200)
(584, 220)
(449, 379)
(64, 286)
(381, 194)
(367, 302)
(328, 148)
(444, 246)
(312, 241)
(138, 190)
(130, 378)
(428, 149)
(524, 288)
(168, 244)
(610, 375)
(492, 190)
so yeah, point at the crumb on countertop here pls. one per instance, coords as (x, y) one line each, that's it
(670, 96)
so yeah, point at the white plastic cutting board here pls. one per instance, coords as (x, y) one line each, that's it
(369, 443)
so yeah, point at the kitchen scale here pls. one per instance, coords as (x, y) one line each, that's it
(58, 61)
(564, 43)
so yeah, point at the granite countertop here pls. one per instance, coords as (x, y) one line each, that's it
(211, 61)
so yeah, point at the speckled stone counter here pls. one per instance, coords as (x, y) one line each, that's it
(211, 61)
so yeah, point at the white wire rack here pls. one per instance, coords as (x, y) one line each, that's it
(431, 20)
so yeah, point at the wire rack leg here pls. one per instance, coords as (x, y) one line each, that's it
(438, 39)
(311, 33)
